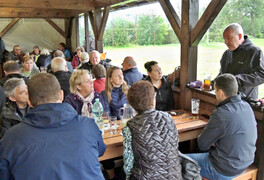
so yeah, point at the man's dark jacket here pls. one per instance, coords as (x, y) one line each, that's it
(132, 75)
(3, 80)
(88, 66)
(10, 116)
(53, 142)
(155, 146)
(164, 96)
(232, 129)
(247, 64)
(64, 79)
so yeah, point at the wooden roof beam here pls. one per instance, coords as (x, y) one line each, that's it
(172, 17)
(36, 13)
(9, 26)
(206, 20)
(53, 4)
(103, 22)
(56, 27)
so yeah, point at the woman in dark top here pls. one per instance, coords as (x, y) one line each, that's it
(164, 96)
(115, 90)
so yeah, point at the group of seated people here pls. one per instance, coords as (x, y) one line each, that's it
(48, 132)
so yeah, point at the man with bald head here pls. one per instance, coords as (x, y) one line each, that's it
(60, 70)
(242, 59)
(130, 71)
(94, 59)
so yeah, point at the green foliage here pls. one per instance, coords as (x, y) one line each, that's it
(120, 32)
(151, 30)
(245, 12)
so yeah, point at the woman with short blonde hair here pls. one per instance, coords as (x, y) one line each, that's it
(82, 94)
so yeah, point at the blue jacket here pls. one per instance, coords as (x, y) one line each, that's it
(77, 103)
(53, 142)
(118, 101)
(232, 129)
(132, 75)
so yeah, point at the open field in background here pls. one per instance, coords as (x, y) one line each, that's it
(168, 57)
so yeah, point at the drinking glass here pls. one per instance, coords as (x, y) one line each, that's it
(195, 103)
(105, 117)
(207, 82)
(113, 124)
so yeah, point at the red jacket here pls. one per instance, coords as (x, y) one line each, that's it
(99, 85)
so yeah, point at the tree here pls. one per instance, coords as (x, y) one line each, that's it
(151, 30)
(120, 32)
(245, 12)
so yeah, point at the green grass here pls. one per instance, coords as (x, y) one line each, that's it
(168, 56)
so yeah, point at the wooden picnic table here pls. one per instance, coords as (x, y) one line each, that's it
(188, 126)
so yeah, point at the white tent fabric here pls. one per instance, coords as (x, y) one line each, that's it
(28, 32)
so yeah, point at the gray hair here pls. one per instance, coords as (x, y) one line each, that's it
(11, 85)
(58, 64)
(94, 51)
(45, 51)
(237, 29)
(227, 83)
(84, 56)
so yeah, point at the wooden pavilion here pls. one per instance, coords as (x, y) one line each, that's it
(189, 30)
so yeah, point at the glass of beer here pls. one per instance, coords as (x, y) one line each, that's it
(207, 82)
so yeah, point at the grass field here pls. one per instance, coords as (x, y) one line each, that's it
(168, 57)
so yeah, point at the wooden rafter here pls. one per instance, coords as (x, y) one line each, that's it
(206, 20)
(36, 13)
(56, 27)
(92, 20)
(52, 4)
(9, 26)
(172, 17)
(131, 4)
(103, 23)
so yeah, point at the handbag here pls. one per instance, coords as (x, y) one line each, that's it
(190, 168)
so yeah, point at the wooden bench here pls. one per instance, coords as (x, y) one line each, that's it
(249, 174)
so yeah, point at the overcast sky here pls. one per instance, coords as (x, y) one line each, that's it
(151, 9)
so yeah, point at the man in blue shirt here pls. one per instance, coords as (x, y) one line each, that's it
(66, 52)
(53, 141)
(130, 71)
(230, 135)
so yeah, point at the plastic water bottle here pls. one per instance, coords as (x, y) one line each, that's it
(97, 113)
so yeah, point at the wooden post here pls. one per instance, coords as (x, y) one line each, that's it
(77, 29)
(68, 30)
(98, 19)
(190, 12)
(86, 27)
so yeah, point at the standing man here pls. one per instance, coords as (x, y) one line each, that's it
(230, 135)
(242, 59)
(130, 71)
(54, 141)
(13, 55)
